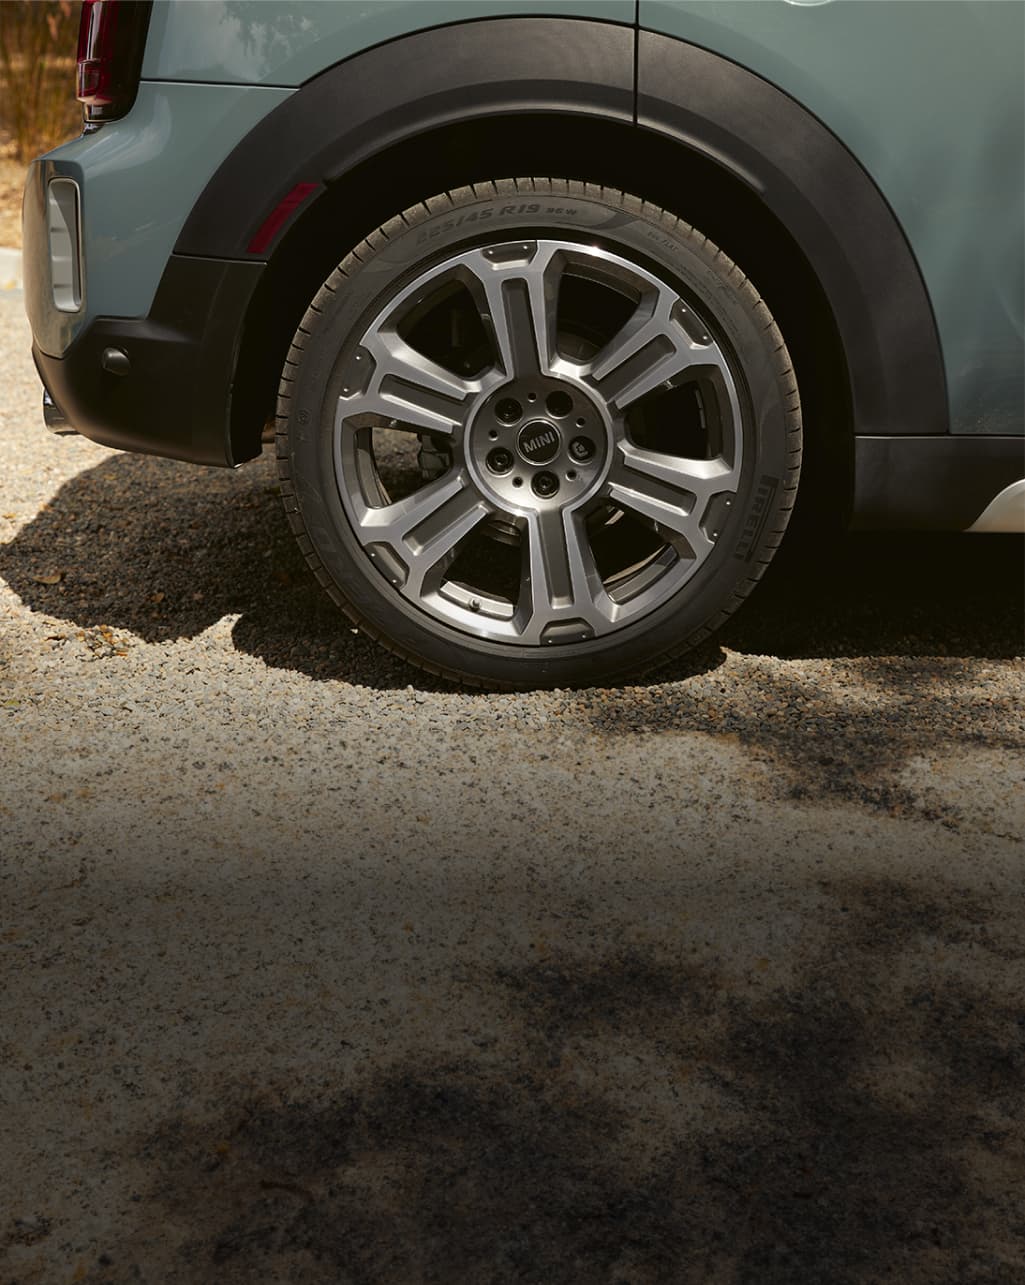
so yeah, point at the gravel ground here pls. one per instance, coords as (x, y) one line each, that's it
(316, 971)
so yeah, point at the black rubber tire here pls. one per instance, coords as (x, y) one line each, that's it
(635, 229)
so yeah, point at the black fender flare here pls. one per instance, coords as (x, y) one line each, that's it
(833, 210)
(799, 170)
(402, 88)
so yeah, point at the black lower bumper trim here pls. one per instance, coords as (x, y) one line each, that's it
(175, 397)
(931, 483)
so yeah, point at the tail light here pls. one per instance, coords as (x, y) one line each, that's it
(111, 40)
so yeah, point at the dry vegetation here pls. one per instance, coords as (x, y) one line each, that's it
(37, 102)
(12, 180)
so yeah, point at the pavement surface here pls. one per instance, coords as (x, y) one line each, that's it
(318, 971)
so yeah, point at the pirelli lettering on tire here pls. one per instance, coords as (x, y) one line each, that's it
(761, 507)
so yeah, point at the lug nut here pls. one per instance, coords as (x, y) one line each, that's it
(500, 460)
(559, 404)
(508, 410)
(545, 484)
(581, 448)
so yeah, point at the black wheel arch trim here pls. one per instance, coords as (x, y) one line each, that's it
(833, 210)
(931, 483)
(404, 87)
(802, 172)
(400, 89)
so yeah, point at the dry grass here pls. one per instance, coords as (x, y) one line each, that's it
(12, 182)
(37, 74)
(37, 103)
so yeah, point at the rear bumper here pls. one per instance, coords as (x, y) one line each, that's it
(162, 384)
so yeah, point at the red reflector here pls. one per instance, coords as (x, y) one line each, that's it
(279, 216)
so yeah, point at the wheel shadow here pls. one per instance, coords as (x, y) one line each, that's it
(166, 550)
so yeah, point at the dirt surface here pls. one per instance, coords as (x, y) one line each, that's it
(315, 971)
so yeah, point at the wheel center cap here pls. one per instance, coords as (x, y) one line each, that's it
(538, 442)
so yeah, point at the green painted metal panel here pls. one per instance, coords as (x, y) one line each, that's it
(140, 177)
(928, 95)
(254, 42)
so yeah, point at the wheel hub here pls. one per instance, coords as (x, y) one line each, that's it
(538, 443)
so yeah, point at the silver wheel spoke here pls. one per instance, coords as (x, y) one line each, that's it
(406, 386)
(517, 302)
(561, 580)
(423, 530)
(653, 348)
(669, 490)
(537, 439)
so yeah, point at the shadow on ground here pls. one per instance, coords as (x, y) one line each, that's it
(850, 737)
(910, 624)
(410, 1066)
(846, 1111)
(166, 550)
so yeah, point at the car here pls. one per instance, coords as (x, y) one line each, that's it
(557, 308)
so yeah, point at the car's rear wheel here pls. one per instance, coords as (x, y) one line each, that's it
(538, 433)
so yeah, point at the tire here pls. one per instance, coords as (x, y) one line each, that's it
(538, 433)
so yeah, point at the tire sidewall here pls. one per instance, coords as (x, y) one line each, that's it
(426, 236)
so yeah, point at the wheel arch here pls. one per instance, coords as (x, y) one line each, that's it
(710, 141)
(603, 152)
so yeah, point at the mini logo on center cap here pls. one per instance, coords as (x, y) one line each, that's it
(538, 442)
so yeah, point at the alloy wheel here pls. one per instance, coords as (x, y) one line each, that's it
(537, 442)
